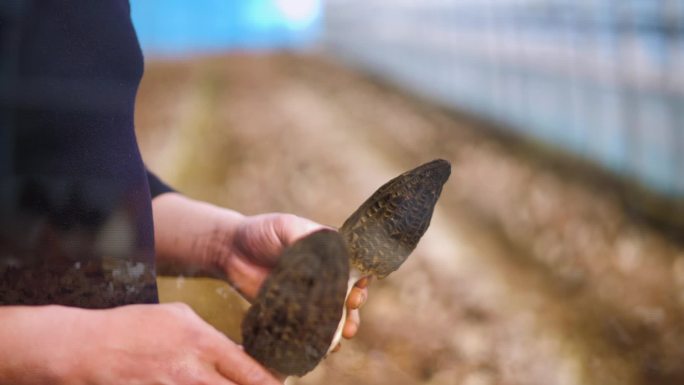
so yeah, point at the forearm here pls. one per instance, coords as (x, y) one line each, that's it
(191, 236)
(200, 239)
(32, 340)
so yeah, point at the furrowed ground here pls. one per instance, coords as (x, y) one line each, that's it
(527, 275)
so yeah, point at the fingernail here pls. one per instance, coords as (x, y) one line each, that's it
(358, 300)
(363, 300)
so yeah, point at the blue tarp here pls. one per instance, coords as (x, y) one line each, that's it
(180, 27)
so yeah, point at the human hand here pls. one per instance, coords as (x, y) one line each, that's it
(138, 344)
(258, 242)
(196, 236)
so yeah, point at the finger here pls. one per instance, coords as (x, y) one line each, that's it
(357, 297)
(246, 277)
(363, 282)
(290, 228)
(214, 378)
(351, 325)
(235, 365)
(337, 347)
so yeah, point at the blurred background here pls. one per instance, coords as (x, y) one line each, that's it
(556, 253)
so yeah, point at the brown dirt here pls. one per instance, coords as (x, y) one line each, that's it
(527, 275)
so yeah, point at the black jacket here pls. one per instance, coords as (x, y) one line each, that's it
(75, 196)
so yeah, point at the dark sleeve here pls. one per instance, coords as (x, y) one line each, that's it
(157, 187)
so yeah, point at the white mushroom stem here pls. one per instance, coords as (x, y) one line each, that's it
(354, 276)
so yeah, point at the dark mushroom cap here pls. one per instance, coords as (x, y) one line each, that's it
(293, 320)
(387, 227)
(299, 307)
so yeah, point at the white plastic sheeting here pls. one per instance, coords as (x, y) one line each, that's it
(601, 78)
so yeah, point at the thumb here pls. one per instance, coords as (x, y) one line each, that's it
(290, 228)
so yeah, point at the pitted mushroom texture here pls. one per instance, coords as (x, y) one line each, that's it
(387, 227)
(299, 307)
(294, 318)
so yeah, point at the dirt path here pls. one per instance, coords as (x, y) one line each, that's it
(523, 278)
